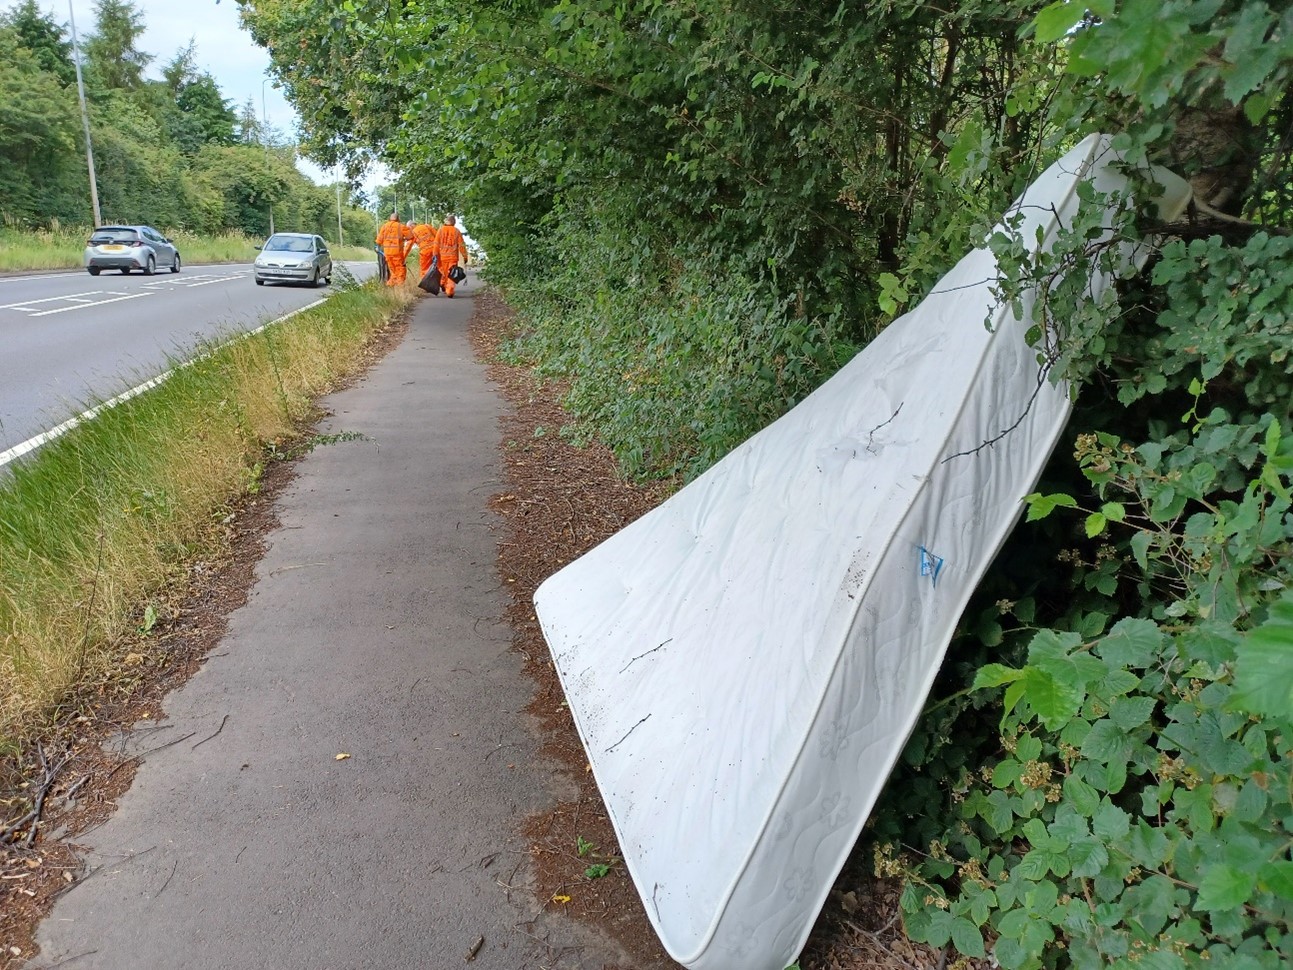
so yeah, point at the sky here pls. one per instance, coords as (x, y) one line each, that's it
(224, 49)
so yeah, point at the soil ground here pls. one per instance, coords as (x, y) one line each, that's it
(558, 502)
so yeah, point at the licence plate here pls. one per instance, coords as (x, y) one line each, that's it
(114, 249)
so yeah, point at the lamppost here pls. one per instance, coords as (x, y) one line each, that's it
(85, 120)
(264, 111)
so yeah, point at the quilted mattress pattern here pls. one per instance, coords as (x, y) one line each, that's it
(745, 663)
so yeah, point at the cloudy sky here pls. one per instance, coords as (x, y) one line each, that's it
(223, 48)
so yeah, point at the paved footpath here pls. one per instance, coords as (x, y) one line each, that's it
(373, 629)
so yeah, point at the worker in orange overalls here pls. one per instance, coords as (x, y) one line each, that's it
(450, 247)
(391, 237)
(425, 238)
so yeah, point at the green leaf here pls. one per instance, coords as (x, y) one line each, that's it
(1037, 863)
(1256, 107)
(1013, 693)
(1053, 22)
(997, 812)
(995, 675)
(1111, 823)
(1133, 642)
(1028, 747)
(1224, 887)
(1147, 845)
(1271, 444)
(1095, 524)
(981, 905)
(966, 938)
(1150, 904)
(1009, 954)
(1130, 713)
(1055, 702)
(1107, 743)
(1161, 960)
(1040, 506)
(1012, 923)
(939, 931)
(1059, 654)
(969, 140)
(1277, 877)
(1140, 543)
(1264, 664)
(1081, 796)
(1006, 773)
(1088, 857)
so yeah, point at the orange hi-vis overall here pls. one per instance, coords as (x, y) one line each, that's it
(392, 237)
(450, 247)
(425, 237)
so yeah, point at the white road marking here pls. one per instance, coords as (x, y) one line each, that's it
(84, 300)
(190, 281)
(48, 299)
(88, 305)
(200, 281)
(31, 444)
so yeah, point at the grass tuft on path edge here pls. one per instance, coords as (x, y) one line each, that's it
(113, 513)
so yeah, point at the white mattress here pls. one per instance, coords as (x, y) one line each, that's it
(745, 662)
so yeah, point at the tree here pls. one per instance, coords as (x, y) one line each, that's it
(38, 138)
(250, 131)
(202, 103)
(182, 69)
(111, 49)
(43, 36)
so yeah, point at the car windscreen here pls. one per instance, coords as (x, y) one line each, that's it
(102, 236)
(289, 244)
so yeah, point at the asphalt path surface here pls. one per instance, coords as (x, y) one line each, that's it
(373, 630)
(70, 340)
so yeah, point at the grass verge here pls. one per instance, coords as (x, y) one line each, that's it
(63, 247)
(99, 522)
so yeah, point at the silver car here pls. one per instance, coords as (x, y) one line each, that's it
(126, 248)
(293, 257)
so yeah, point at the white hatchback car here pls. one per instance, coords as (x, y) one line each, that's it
(293, 257)
(126, 248)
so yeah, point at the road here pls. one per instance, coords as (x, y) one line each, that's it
(69, 340)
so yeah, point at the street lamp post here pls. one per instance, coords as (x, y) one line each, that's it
(85, 120)
(340, 239)
(264, 137)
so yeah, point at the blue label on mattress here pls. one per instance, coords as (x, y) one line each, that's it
(930, 565)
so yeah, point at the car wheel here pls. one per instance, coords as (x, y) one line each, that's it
(259, 281)
(314, 280)
(175, 266)
(94, 270)
(150, 267)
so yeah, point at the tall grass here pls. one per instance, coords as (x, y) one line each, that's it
(62, 247)
(102, 519)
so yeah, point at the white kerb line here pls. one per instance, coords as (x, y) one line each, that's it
(31, 444)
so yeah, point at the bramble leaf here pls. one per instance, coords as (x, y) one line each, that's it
(1264, 664)
(1224, 887)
